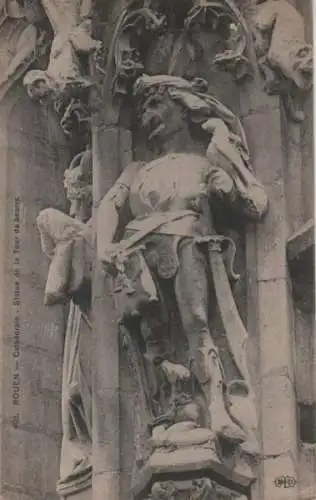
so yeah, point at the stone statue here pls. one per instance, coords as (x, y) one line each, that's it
(64, 81)
(171, 243)
(67, 241)
(285, 58)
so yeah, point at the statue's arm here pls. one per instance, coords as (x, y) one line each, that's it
(250, 197)
(244, 194)
(229, 176)
(110, 208)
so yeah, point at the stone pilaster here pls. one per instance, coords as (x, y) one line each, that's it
(269, 293)
(105, 350)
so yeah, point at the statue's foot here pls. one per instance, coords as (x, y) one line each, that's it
(251, 445)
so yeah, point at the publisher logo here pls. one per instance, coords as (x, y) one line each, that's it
(285, 481)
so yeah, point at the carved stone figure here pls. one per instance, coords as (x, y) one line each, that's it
(134, 22)
(67, 241)
(172, 242)
(285, 58)
(65, 81)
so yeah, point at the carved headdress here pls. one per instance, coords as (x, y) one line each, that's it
(193, 96)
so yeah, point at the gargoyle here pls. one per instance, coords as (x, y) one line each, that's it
(284, 57)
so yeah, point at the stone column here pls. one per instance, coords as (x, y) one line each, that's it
(105, 345)
(33, 157)
(269, 301)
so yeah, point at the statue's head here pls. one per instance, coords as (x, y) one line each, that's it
(166, 104)
(78, 185)
(161, 113)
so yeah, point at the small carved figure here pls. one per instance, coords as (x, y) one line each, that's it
(172, 239)
(134, 22)
(284, 56)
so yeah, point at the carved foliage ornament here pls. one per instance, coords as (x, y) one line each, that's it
(199, 489)
(196, 489)
(139, 22)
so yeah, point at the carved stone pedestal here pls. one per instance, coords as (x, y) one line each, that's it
(191, 473)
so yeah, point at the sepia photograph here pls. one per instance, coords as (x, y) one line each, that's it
(157, 282)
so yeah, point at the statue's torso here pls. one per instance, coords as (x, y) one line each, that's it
(172, 182)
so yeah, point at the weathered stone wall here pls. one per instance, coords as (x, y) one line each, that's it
(33, 158)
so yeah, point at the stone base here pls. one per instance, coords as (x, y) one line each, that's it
(81, 495)
(189, 464)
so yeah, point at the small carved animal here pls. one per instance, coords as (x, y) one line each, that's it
(283, 41)
(284, 56)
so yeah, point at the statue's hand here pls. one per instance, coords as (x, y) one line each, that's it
(220, 182)
(108, 259)
(212, 123)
